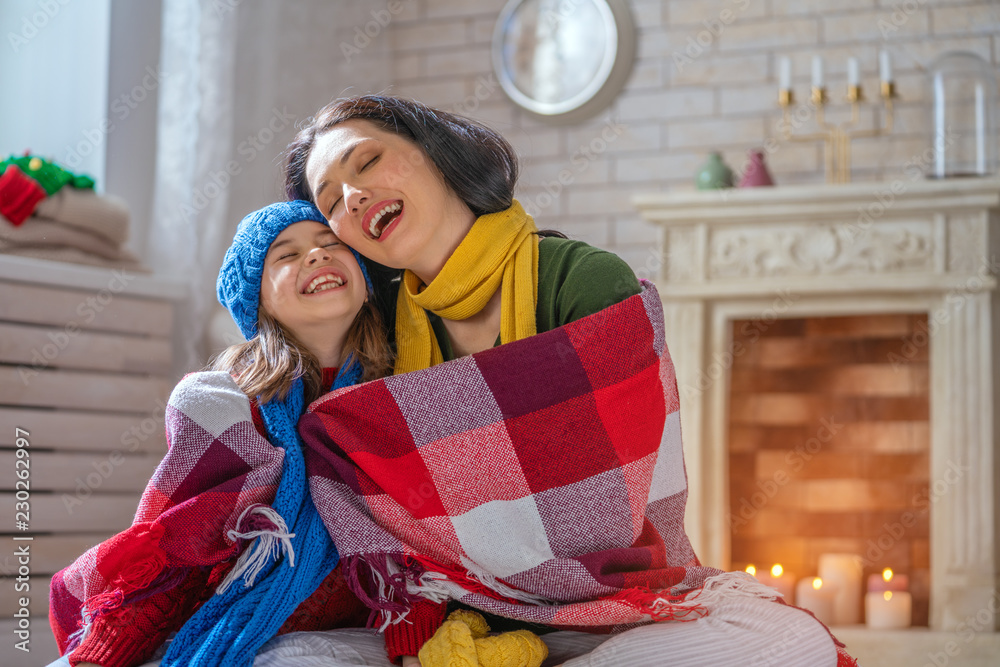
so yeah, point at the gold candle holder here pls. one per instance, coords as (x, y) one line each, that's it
(837, 138)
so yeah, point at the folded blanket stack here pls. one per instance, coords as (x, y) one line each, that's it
(48, 213)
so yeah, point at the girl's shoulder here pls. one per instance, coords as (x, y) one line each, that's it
(212, 397)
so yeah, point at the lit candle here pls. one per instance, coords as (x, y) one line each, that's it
(884, 66)
(888, 609)
(817, 71)
(779, 579)
(888, 581)
(843, 571)
(785, 74)
(812, 594)
(853, 73)
(752, 569)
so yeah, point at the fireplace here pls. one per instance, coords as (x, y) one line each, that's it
(911, 267)
(829, 445)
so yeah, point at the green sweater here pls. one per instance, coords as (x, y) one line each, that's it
(574, 280)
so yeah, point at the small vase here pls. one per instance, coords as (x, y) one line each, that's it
(714, 174)
(756, 174)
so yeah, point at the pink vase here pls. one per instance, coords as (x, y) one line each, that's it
(755, 174)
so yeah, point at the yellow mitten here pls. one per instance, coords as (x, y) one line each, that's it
(462, 641)
(451, 646)
(519, 648)
(475, 621)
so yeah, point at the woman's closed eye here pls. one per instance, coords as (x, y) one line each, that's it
(363, 168)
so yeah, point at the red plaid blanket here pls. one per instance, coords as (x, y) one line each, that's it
(542, 480)
(217, 468)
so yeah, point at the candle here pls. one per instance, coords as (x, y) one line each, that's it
(812, 594)
(888, 609)
(843, 571)
(853, 74)
(888, 581)
(884, 66)
(779, 579)
(817, 71)
(785, 74)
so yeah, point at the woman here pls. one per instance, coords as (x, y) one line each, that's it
(431, 194)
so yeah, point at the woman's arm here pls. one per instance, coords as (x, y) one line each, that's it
(576, 280)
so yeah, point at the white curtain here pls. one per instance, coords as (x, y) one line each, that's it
(190, 229)
(239, 76)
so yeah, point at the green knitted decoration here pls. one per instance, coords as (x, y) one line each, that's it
(48, 174)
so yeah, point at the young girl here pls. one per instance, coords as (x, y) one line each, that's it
(226, 528)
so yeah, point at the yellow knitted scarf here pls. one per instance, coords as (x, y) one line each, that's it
(501, 250)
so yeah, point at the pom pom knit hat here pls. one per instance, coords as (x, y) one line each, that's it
(243, 267)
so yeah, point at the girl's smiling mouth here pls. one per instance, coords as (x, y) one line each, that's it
(322, 280)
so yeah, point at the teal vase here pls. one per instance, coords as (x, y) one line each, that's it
(714, 174)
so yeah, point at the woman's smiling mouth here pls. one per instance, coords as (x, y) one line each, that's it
(378, 219)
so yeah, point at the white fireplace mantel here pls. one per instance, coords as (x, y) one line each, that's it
(801, 251)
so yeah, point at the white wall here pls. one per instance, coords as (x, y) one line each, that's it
(289, 63)
(54, 78)
(705, 78)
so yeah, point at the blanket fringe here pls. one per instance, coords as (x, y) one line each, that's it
(497, 587)
(439, 584)
(386, 590)
(270, 539)
(693, 605)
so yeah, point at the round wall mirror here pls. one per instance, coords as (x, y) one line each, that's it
(563, 60)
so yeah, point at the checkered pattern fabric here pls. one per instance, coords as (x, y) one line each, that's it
(542, 480)
(217, 466)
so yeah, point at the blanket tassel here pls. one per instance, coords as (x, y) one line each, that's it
(271, 536)
(695, 604)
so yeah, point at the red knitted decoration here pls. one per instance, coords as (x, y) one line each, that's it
(19, 195)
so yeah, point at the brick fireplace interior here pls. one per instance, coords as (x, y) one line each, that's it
(829, 445)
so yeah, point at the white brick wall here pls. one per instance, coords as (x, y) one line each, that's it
(705, 79)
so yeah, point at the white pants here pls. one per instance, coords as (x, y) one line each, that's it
(744, 632)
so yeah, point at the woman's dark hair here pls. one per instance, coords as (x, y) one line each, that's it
(478, 164)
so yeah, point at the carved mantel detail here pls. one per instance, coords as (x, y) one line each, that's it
(824, 249)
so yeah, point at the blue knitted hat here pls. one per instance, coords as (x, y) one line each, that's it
(238, 286)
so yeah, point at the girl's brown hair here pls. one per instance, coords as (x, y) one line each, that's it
(268, 364)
